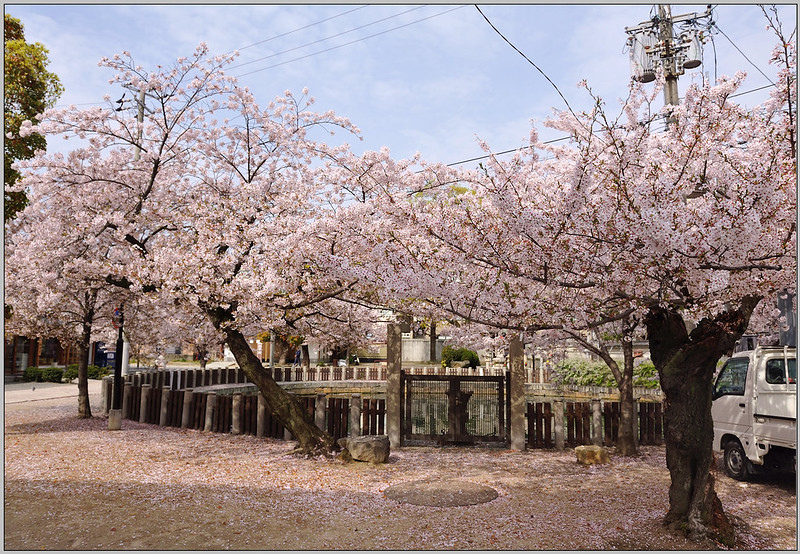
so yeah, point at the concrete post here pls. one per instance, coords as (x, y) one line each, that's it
(354, 425)
(261, 417)
(211, 407)
(143, 402)
(636, 423)
(319, 411)
(127, 400)
(516, 354)
(114, 416)
(107, 391)
(236, 418)
(394, 364)
(188, 396)
(558, 416)
(166, 392)
(597, 423)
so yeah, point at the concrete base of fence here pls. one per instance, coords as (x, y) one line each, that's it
(211, 407)
(114, 420)
(186, 415)
(589, 455)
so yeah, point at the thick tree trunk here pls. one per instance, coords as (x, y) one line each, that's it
(282, 405)
(202, 356)
(84, 407)
(626, 439)
(432, 346)
(626, 442)
(686, 364)
(312, 441)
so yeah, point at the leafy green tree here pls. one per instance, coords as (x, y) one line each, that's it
(29, 90)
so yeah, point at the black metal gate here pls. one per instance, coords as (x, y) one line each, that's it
(453, 409)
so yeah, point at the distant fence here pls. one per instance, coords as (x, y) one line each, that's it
(559, 423)
(559, 416)
(239, 411)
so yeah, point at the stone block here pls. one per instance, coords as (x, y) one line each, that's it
(589, 455)
(374, 449)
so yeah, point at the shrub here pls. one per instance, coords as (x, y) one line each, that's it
(52, 374)
(646, 375)
(598, 374)
(32, 374)
(94, 372)
(450, 355)
(71, 372)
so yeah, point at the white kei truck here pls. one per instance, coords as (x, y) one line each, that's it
(754, 410)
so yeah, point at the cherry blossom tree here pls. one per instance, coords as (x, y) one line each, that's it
(209, 199)
(685, 229)
(51, 294)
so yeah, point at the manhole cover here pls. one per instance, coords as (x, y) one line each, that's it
(441, 493)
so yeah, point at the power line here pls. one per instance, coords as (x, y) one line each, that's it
(351, 42)
(299, 28)
(528, 60)
(505, 152)
(716, 25)
(325, 38)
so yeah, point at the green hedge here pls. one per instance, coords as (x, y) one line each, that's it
(32, 374)
(598, 374)
(450, 355)
(92, 372)
(43, 374)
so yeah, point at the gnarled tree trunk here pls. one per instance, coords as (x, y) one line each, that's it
(84, 407)
(311, 439)
(686, 363)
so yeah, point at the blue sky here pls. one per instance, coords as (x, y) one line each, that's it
(428, 78)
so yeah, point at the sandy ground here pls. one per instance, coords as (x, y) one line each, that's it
(71, 484)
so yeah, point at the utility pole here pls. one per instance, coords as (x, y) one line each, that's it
(140, 120)
(654, 44)
(665, 29)
(115, 414)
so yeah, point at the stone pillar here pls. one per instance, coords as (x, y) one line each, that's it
(188, 396)
(127, 400)
(106, 395)
(558, 416)
(211, 407)
(354, 425)
(236, 417)
(319, 411)
(394, 364)
(516, 362)
(261, 417)
(637, 425)
(597, 423)
(166, 392)
(143, 402)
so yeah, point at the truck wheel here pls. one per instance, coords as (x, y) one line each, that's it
(736, 463)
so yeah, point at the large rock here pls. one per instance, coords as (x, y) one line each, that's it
(588, 455)
(374, 449)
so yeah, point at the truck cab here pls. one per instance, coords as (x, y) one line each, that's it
(755, 411)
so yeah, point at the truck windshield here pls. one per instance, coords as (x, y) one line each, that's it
(732, 377)
(776, 371)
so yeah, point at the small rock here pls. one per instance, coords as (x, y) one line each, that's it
(588, 455)
(374, 449)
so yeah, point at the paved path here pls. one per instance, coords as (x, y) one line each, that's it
(27, 392)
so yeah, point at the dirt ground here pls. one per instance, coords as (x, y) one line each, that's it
(71, 484)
